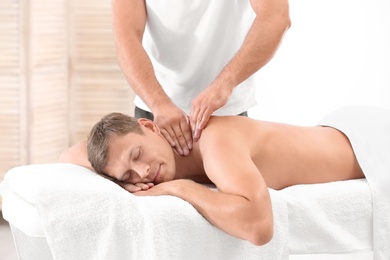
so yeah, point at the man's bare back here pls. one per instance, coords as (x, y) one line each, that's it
(286, 154)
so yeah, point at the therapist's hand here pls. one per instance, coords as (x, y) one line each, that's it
(204, 105)
(175, 127)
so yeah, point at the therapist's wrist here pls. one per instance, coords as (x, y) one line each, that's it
(224, 81)
(160, 104)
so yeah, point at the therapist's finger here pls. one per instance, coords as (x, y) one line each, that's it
(183, 137)
(201, 122)
(174, 126)
(193, 117)
(195, 111)
(177, 142)
(168, 136)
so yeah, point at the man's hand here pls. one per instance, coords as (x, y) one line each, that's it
(166, 188)
(205, 104)
(149, 189)
(157, 190)
(175, 127)
(135, 187)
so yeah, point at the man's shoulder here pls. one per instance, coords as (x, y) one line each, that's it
(230, 124)
(219, 125)
(224, 130)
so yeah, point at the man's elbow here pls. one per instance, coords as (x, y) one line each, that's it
(287, 22)
(261, 232)
(284, 18)
(260, 228)
(280, 16)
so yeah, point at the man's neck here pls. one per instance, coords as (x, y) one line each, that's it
(189, 167)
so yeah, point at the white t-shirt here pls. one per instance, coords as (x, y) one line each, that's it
(190, 41)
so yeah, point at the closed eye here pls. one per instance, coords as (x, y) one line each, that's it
(127, 176)
(138, 154)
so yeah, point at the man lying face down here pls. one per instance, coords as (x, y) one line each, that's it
(241, 156)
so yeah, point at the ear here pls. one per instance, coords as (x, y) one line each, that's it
(148, 124)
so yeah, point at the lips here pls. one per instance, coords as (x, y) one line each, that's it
(157, 175)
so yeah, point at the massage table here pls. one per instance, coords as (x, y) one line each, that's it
(65, 211)
(40, 202)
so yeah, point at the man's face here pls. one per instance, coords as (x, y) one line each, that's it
(135, 158)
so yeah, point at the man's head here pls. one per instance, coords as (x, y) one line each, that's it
(130, 150)
(100, 135)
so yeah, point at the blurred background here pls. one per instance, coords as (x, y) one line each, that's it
(58, 76)
(336, 53)
(59, 73)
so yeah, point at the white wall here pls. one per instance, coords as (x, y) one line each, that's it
(336, 53)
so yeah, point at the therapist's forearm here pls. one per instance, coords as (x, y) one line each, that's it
(258, 48)
(139, 73)
(129, 21)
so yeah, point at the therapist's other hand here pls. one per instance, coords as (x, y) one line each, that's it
(204, 105)
(175, 127)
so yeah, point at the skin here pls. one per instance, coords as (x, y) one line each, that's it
(241, 156)
(129, 21)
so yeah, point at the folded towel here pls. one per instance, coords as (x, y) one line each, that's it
(85, 216)
(368, 129)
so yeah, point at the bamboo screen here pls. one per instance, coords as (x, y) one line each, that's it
(47, 81)
(97, 84)
(58, 76)
(12, 86)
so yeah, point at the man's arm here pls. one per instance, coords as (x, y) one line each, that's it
(268, 28)
(76, 154)
(129, 21)
(249, 218)
(241, 206)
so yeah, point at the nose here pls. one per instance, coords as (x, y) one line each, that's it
(142, 169)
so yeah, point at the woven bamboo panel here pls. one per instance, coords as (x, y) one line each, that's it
(48, 80)
(97, 84)
(11, 86)
(11, 94)
(33, 82)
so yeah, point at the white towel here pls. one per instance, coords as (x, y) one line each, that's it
(327, 218)
(85, 216)
(330, 218)
(368, 129)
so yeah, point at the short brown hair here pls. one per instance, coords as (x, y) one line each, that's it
(99, 138)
